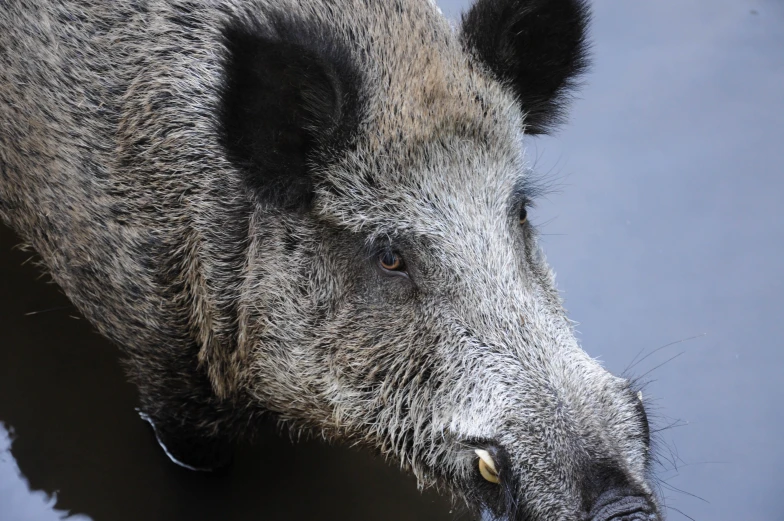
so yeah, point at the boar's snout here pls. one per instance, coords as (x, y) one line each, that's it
(604, 496)
(583, 456)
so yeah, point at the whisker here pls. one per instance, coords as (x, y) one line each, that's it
(661, 364)
(680, 512)
(546, 223)
(636, 362)
(631, 364)
(670, 457)
(674, 425)
(676, 489)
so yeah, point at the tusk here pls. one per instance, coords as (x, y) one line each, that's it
(487, 466)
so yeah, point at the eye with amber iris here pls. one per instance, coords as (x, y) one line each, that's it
(391, 261)
(523, 215)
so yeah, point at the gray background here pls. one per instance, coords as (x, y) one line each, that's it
(664, 225)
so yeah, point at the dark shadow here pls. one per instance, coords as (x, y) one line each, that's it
(76, 433)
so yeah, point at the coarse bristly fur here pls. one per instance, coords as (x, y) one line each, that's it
(311, 209)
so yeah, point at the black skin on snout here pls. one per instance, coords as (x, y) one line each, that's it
(623, 505)
(617, 504)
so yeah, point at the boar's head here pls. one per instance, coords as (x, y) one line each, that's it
(400, 300)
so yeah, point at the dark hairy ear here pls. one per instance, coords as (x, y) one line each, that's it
(289, 103)
(536, 47)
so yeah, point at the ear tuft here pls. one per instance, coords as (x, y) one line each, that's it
(289, 102)
(536, 47)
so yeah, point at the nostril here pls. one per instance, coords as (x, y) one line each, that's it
(617, 506)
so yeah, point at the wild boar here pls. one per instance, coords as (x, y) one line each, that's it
(317, 210)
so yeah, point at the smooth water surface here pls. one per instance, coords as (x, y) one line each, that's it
(666, 224)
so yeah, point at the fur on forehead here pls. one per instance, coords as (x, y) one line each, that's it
(425, 190)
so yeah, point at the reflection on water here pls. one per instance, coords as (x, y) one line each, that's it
(19, 502)
(77, 434)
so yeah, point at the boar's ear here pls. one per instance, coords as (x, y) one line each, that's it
(289, 104)
(535, 47)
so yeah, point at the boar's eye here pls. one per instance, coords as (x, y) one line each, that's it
(523, 215)
(391, 261)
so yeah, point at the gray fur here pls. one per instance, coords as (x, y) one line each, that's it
(229, 307)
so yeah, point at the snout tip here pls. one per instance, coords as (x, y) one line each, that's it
(617, 506)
